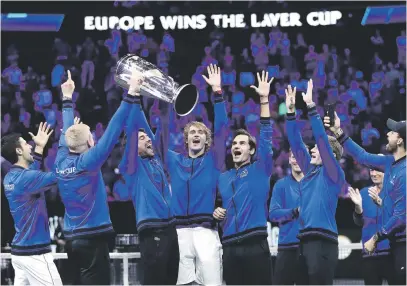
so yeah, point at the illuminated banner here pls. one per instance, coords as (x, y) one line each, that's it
(198, 22)
(31, 22)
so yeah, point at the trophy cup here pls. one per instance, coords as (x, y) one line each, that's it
(157, 84)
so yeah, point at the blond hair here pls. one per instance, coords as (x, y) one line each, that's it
(77, 136)
(202, 126)
(336, 147)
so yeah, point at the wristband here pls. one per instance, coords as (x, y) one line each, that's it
(264, 103)
(338, 133)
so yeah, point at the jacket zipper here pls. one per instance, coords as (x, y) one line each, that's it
(162, 189)
(234, 204)
(188, 189)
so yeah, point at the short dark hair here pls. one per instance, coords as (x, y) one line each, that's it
(9, 143)
(252, 140)
(124, 139)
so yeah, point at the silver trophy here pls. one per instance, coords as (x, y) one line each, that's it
(157, 84)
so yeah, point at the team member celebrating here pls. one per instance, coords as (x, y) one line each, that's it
(142, 168)
(319, 189)
(24, 186)
(394, 189)
(377, 266)
(244, 191)
(87, 221)
(193, 181)
(284, 210)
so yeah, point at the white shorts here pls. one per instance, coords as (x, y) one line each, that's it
(200, 256)
(35, 270)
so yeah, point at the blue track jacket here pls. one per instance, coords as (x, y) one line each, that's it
(194, 180)
(244, 192)
(145, 178)
(321, 185)
(80, 180)
(284, 205)
(25, 194)
(394, 189)
(372, 221)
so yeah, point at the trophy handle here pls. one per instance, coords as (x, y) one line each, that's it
(186, 98)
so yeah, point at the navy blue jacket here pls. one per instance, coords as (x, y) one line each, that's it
(24, 190)
(284, 205)
(145, 178)
(394, 188)
(244, 192)
(372, 221)
(321, 185)
(80, 180)
(194, 180)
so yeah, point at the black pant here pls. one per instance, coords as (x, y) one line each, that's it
(287, 268)
(379, 268)
(247, 262)
(318, 258)
(159, 256)
(398, 252)
(89, 260)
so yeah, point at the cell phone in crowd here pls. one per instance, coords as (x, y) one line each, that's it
(330, 111)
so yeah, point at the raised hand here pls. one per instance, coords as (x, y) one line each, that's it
(337, 123)
(355, 196)
(264, 86)
(135, 82)
(290, 98)
(308, 96)
(219, 213)
(214, 77)
(68, 87)
(76, 121)
(374, 194)
(42, 136)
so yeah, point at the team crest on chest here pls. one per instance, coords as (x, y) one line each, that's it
(244, 173)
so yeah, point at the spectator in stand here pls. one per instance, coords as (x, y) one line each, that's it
(88, 54)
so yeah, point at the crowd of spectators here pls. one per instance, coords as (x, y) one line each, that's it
(366, 92)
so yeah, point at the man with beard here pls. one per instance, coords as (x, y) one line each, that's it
(244, 191)
(193, 183)
(24, 186)
(142, 168)
(319, 192)
(394, 189)
(284, 210)
(377, 265)
(193, 186)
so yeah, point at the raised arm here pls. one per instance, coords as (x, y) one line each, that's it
(331, 164)
(162, 136)
(221, 117)
(265, 149)
(128, 164)
(397, 220)
(359, 154)
(278, 212)
(67, 88)
(297, 145)
(95, 157)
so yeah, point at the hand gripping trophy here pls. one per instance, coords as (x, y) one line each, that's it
(157, 84)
